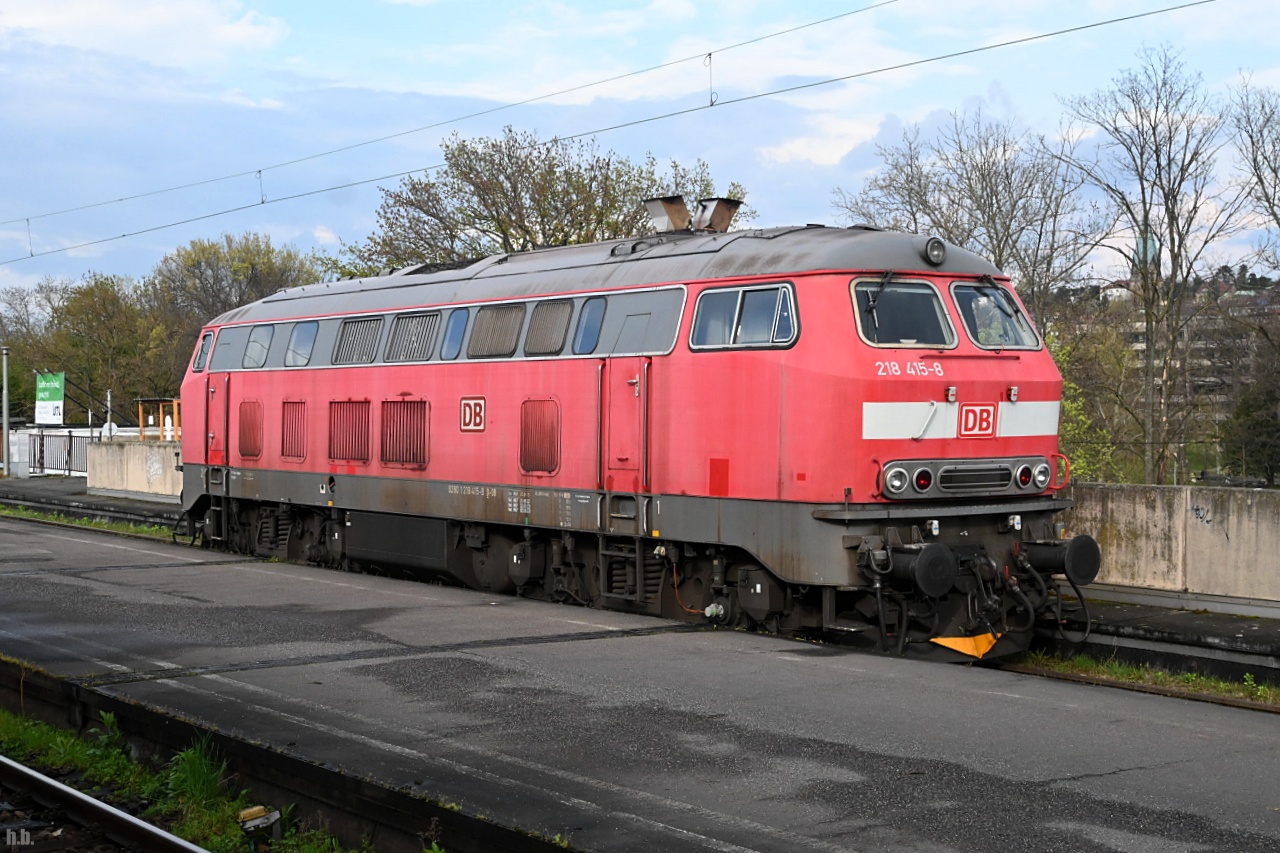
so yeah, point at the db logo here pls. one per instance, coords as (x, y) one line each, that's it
(977, 420)
(472, 414)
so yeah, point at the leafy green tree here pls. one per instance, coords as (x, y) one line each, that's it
(514, 193)
(134, 338)
(206, 278)
(1251, 438)
(1083, 437)
(94, 330)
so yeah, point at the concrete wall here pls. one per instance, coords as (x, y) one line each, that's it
(146, 469)
(1184, 538)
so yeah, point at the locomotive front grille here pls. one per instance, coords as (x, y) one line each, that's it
(975, 478)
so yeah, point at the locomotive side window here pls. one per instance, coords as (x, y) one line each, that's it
(497, 331)
(413, 337)
(255, 352)
(301, 340)
(202, 354)
(454, 331)
(756, 325)
(992, 318)
(587, 335)
(357, 341)
(902, 314)
(548, 328)
(713, 323)
(756, 316)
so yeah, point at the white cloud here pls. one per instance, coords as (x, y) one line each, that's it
(325, 236)
(185, 34)
(832, 140)
(240, 99)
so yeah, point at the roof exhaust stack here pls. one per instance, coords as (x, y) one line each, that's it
(716, 214)
(668, 213)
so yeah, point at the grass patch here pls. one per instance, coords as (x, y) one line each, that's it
(1128, 673)
(150, 531)
(192, 796)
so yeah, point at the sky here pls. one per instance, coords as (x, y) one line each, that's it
(129, 128)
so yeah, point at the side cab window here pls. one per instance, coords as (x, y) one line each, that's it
(202, 352)
(745, 317)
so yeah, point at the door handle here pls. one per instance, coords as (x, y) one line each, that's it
(635, 381)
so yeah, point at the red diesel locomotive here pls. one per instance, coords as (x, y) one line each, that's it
(801, 429)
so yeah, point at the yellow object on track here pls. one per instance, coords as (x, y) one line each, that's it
(973, 646)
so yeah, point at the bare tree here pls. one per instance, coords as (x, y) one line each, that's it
(514, 193)
(908, 193)
(1255, 116)
(1159, 137)
(991, 188)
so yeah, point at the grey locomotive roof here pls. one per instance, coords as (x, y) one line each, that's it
(659, 259)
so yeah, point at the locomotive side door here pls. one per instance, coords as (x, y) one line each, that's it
(625, 394)
(624, 464)
(216, 416)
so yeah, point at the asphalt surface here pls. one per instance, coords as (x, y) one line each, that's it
(626, 733)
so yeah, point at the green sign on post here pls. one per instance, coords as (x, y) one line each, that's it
(50, 390)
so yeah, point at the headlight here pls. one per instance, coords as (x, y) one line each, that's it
(1025, 477)
(895, 480)
(922, 480)
(935, 251)
(1042, 475)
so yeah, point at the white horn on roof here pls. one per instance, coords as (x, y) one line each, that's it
(669, 213)
(715, 214)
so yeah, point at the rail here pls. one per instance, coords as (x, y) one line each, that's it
(116, 824)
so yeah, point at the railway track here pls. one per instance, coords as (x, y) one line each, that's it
(1217, 656)
(39, 814)
(90, 512)
(350, 808)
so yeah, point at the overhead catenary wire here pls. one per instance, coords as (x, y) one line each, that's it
(714, 104)
(704, 56)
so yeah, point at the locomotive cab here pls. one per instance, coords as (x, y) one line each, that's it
(961, 409)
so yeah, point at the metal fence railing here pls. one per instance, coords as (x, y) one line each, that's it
(59, 453)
